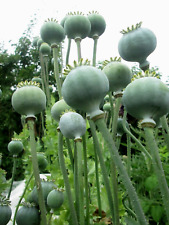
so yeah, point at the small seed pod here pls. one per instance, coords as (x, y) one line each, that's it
(84, 89)
(52, 32)
(42, 161)
(72, 125)
(98, 24)
(77, 26)
(35, 41)
(107, 107)
(120, 130)
(39, 42)
(45, 49)
(146, 98)
(37, 80)
(15, 146)
(29, 99)
(137, 44)
(58, 109)
(118, 74)
(55, 199)
(5, 211)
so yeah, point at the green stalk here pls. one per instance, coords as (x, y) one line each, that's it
(111, 103)
(31, 123)
(47, 79)
(78, 41)
(80, 191)
(165, 128)
(68, 51)
(76, 182)
(95, 38)
(103, 167)
(42, 71)
(122, 171)
(86, 179)
(128, 155)
(97, 183)
(151, 143)
(13, 175)
(115, 116)
(56, 69)
(70, 152)
(22, 196)
(134, 138)
(66, 179)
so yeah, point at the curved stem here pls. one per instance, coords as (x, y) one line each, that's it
(68, 51)
(20, 200)
(151, 143)
(36, 170)
(95, 50)
(78, 41)
(56, 70)
(13, 175)
(134, 138)
(103, 166)
(86, 179)
(122, 171)
(66, 179)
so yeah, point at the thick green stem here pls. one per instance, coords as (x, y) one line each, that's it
(36, 170)
(22, 196)
(42, 71)
(115, 116)
(86, 179)
(13, 174)
(122, 171)
(68, 51)
(95, 49)
(79, 55)
(56, 69)
(47, 79)
(111, 103)
(80, 191)
(151, 143)
(128, 155)
(70, 152)
(165, 128)
(66, 179)
(97, 182)
(103, 167)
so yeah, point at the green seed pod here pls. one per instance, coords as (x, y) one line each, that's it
(98, 24)
(84, 89)
(52, 32)
(120, 130)
(72, 125)
(107, 107)
(58, 109)
(35, 41)
(45, 49)
(77, 26)
(29, 99)
(42, 161)
(39, 42)
(146, 98)
(37, 80)
(137, 44)
(118, 74)
(6, 213)
(15, 146)
(55, 199)
(62, 23)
